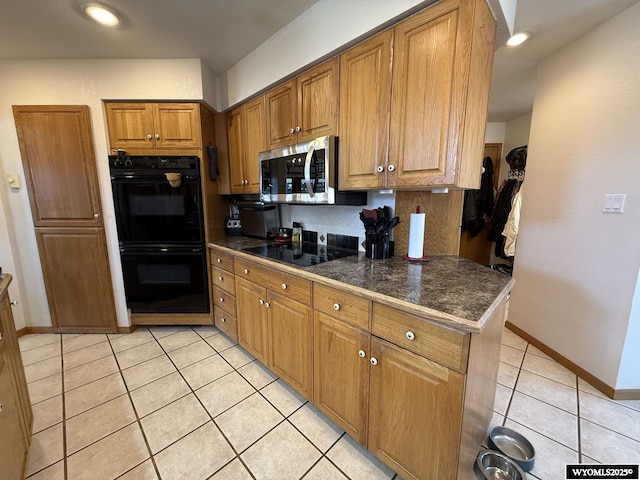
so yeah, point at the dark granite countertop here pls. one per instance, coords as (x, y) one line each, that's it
(448, 289)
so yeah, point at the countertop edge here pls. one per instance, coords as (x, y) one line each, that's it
(450, 321)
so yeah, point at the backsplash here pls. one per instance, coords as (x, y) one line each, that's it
(334, 219)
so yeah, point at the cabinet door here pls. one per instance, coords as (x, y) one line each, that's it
(291, 342)
(77, 278)
(341, 374)
(412, 397)
(281, 115)
(235, 134)
(252, 318)
(13, 443)
(56, 144)
(426, 102)
(176, 125)
(130, 125)
(255, 142)
(318, 91)
(365, 90)
(9, 336)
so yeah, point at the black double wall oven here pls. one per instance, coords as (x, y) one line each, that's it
(158, 209)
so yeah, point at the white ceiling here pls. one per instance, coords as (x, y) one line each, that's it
(221, 32)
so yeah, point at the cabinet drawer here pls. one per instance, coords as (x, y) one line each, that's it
(273, 279)
(223, 280)
(226, 323)
(342, 305)
(445, 346)
(221, 259)
(224, 300)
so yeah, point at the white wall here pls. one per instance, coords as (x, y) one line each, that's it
(342, 219)
(323, 28)
(495, 132)
(83, 82)
(576, 267)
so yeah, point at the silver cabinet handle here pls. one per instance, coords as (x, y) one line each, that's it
(222, 320)
(96, 215)
(14, 302)
(291, 130)
(336, 306)
(267, 305)
(284, 286)
(221, 299)
(373, 361)
(219, 260)
(0, 408)
(391, 168)
(379, 169)
(246, 272)
(298, 129)
(362, 353)
(157, 136)
(149, 136)
(220, 278)
(261, 302)
(410, 336)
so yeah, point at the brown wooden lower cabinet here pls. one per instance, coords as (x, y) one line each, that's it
(252, 328)
(278, 332)
(16, 416)
(341, 374)
(290, 327)
(415, 412)
(417, 394)
(77, 278)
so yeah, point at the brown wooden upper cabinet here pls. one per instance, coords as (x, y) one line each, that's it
(305, 107)
(149, 126)
(247, 138)
(365, 90)
(442, 60)
(59, 163)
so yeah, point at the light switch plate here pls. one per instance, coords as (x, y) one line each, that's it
(613, 202)
(13, 180)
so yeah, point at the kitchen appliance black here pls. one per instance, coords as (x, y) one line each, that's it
(303, 255)
(158, 210)
(305, 173)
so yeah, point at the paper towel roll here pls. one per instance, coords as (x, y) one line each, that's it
(416, 235)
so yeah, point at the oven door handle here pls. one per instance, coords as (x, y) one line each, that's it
(307, 170)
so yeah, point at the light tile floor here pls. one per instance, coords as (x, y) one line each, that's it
(188, 403)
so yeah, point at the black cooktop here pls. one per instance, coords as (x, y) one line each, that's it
(305, 255)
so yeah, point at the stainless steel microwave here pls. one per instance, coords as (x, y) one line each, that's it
(304, 173)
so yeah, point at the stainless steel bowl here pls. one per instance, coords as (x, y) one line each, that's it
(492, 465)
(514, 445)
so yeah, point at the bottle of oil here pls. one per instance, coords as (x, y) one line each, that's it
(296, 236)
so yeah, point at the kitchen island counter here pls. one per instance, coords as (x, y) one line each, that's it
(448, 289)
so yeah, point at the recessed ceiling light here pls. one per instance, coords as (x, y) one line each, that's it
(101, 14)
(518, 39)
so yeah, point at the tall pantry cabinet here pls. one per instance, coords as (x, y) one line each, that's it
(56, 144)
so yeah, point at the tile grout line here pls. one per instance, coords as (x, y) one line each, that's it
(579, 420)
(64, 411)
(515, 384)
(286, 418)
(233, 449)
(135, 412)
